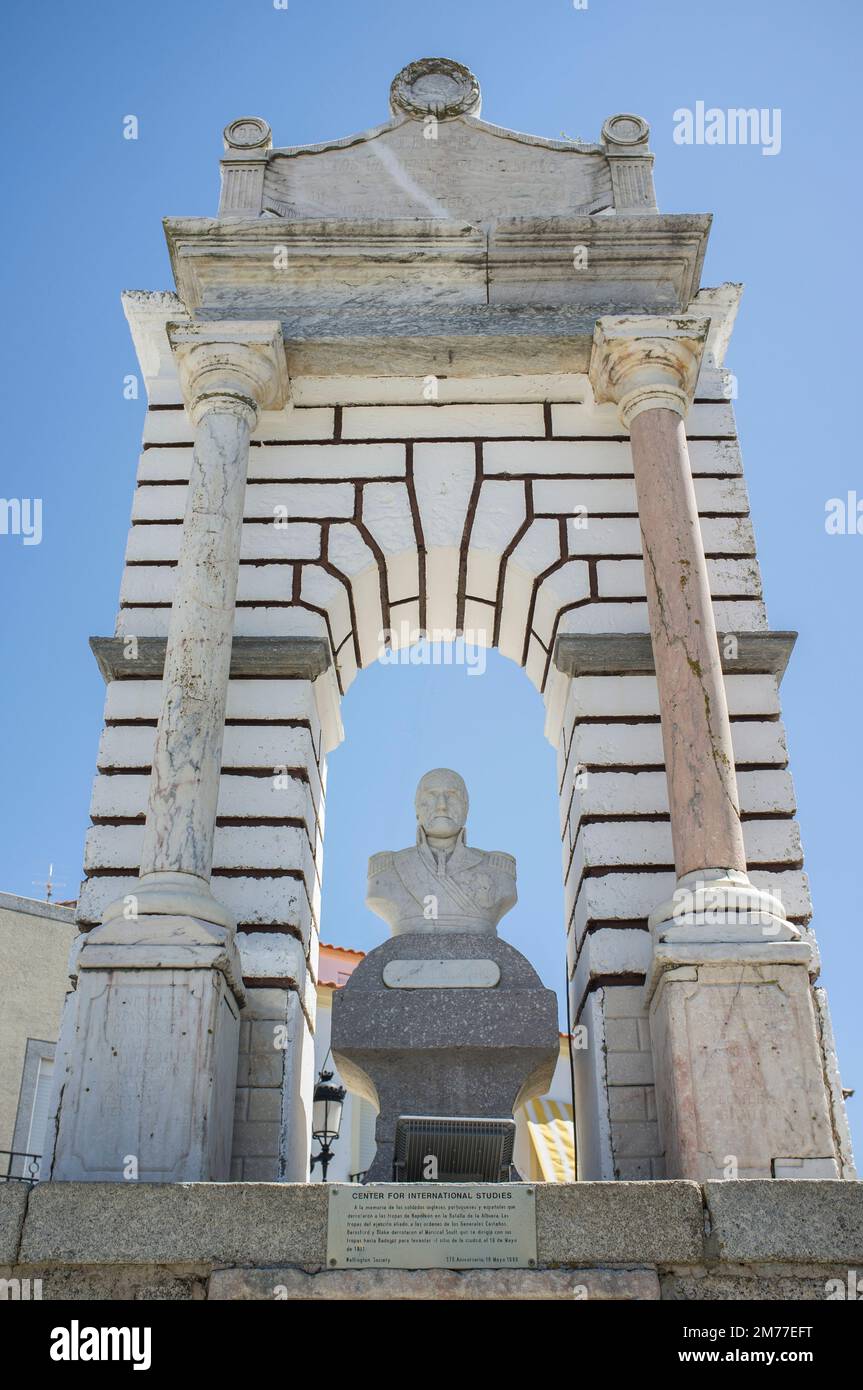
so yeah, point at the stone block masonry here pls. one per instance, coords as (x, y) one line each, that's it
(517, 521)
(622, 1241)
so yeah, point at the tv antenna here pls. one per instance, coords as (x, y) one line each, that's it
(49, 884)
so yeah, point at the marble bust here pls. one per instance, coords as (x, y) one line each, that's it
(441, 884)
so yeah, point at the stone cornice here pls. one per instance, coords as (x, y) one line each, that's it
(415, 296)
(33, 907)
(636, 264)
(475, 341)
(631, 654)
(147, 313)
(291, 658)
(720, 303)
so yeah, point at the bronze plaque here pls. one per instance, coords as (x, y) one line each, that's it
(432, 1226)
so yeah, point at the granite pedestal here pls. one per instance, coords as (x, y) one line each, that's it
(452, 1050)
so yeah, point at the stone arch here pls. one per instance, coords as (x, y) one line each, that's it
(514, 518)
(445, 553)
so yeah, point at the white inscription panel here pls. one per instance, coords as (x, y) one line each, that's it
(432, 1226)
(441, 974)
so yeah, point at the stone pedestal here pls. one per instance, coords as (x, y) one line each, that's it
(739, 1074)
(166, 994)
(469, 1050)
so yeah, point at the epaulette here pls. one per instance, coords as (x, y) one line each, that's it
(380, 862)
(503, 861)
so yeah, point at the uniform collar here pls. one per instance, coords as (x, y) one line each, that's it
(437, 860)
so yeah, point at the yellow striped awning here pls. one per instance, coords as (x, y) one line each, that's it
(549, 1124)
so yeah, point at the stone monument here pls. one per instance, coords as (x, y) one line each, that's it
(384, 344)
(445, 1019)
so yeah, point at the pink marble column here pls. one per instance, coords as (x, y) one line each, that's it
(696, 731)
(737, 1065)
(648, 367)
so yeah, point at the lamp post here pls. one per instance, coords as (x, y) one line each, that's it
(327, 1106)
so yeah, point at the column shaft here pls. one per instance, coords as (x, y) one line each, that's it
(184, 784)
(696, 731)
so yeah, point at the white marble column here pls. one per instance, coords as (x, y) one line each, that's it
(151, 1071)
(228, 373)
(739, 1074)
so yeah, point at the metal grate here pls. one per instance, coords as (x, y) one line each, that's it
(20, 1167)
(468, 1149)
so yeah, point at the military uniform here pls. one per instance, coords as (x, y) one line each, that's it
(422, 889)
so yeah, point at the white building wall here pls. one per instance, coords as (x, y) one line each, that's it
(355, 1148)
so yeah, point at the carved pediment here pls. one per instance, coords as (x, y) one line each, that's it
(436, 159)
(437, 242)
(461, 169)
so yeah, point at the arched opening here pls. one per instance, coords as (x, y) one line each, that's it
(465, 707)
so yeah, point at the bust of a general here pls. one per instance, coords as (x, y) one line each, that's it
(441, 883)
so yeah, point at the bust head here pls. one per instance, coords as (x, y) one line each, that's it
(469, 889)
(441, 804)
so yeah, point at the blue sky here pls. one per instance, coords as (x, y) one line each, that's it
(84, 222)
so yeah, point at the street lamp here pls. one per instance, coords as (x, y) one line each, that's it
(327, 1104)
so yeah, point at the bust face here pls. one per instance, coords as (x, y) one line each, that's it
(441, 803)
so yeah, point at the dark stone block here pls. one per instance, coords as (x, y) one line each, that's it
(444, 1051)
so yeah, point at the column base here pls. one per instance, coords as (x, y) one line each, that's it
(151, 1069)
(173, 894)
(720, 905)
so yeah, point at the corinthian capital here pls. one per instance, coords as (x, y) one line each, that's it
(230, 366)
(646, 363)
